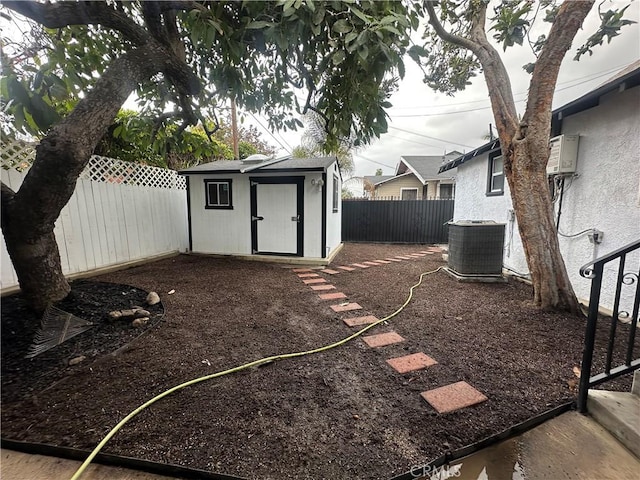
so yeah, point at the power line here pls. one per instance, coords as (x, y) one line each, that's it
(289, 150)
(432, 138)
(373, 161)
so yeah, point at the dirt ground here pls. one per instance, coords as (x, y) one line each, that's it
(343, 413)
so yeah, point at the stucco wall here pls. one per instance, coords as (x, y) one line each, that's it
(334, 219)
(604, 195)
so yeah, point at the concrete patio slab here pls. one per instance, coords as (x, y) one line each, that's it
(409, 363)
(314, 280)
(453, 397)
(382, 339)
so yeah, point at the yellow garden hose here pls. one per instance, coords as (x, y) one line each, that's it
(255, 363)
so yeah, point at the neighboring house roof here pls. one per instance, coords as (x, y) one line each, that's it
(376, 179)
(289, 164)
(393, 177)
(425, 167)
(629, 77)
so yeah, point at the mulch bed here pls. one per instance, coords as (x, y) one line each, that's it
(342, 413)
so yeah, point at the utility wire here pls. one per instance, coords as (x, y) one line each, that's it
(432, 138)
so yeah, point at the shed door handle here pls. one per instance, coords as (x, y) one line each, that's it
(254, 218)
(296, 218)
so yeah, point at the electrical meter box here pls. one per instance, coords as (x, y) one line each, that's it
(563, 154)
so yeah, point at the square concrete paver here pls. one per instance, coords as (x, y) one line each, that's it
(302, 270)
(382, 339)
(359, 265)
(323, 287)
(373, 264)
(347, 269)
(329, 271)
(382, 261)
(345, 307)
(314, 280)
(356, 321)
(332, 296)
(453, 397)
(403, 257)
(394, 259)
(409, 363)
(308, 275)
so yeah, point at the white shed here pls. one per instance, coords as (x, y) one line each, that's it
(266, 209)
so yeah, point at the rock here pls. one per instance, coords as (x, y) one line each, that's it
(153, 298)
(115, 314)
(171, 292)
(142, 313)
(128, 313)
(140, 322)
(77, 360)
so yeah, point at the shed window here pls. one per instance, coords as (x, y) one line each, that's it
(495, 181)
(218, 194)
(336, 193)
(408, 194)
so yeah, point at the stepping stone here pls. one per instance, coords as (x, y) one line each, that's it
(382, 339)
(425, 251)
(453, 397)
(302, 270)
(332, 296)
(308, 275)
(360, 265)
(403, 257)
(431, 253)
(418, 254)
(314, 280)
(347, 269)
(371, 263)
(394, 260)
(345, 307)
(329, 271)
(382, 261)
(409, 363)
(323, 287)
(355, 321)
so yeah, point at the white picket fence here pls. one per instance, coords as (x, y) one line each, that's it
(120, 212)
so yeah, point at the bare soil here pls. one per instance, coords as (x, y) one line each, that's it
(342, 413)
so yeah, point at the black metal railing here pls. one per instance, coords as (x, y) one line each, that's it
(595, 271)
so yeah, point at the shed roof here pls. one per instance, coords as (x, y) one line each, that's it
(316, 164)
(626, 78)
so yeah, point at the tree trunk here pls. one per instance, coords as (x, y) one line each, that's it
(531, 199)
(29, 215)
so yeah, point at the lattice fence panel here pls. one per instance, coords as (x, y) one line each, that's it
(20, 155)
(17, 154)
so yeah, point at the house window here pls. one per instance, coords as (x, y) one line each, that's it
(218, 194)
(336, 193)
(495, 181)
(446, 191)
(408, 194)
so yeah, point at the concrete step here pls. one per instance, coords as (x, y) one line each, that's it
(619, 413)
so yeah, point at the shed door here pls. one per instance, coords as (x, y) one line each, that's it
(276, 215)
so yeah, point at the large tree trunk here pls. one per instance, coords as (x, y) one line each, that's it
(29, 215)
(531, 199)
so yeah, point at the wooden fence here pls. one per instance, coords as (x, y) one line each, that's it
(120, 212)
(402, 221)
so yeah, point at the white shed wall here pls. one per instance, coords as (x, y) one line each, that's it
(605, 194)
(334, 219)
(228, 232)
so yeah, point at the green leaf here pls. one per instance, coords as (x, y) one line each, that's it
(342, 26)
(360, 15)
(259, 24)
(338, 57)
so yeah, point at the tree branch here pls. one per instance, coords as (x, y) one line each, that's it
(444, 34)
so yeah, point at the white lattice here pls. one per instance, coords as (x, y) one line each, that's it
(110, 170)
(17, 154)
(20, 155)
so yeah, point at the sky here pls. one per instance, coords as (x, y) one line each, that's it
(423, 122)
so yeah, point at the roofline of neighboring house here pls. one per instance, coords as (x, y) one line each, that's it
(395, 177)
(586, 101)
(418, 176)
